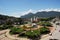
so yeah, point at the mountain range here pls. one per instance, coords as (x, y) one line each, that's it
(42, 14)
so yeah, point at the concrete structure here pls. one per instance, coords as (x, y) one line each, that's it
(34, 19)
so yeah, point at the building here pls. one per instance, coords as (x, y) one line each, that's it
(34, 19)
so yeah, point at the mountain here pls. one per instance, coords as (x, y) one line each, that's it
(42, 14)
(29, 15)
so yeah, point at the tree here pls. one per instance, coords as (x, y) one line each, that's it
(44, 30)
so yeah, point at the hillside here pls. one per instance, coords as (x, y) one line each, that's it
(42, 14)
(4, 19)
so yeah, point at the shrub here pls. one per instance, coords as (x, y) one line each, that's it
(5, 27)
(32, 34)
(16, 30)
(45, 23)
(44, 30)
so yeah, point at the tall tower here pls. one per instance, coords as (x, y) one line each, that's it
(31, 20)
(34, 18)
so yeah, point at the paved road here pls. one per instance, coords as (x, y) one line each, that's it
(55, 34)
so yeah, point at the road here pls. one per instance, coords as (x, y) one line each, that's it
(3, 36)
(55, 34)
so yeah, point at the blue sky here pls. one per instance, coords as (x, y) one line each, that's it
(20, 7)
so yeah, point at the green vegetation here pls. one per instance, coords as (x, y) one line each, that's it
(43, 23)
(3, 27)
(44, 30)
(47, 19)
(32, 34)
(16, 30)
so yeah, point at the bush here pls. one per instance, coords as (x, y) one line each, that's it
(47, 19)
(45, 23)
(44, 30)
(33, 34)
(16, 30)
(5, 27)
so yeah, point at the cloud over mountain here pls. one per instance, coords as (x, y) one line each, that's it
(43, 13)
(18, 14)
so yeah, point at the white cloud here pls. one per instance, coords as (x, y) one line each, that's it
(49, 9)
(18, 14)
